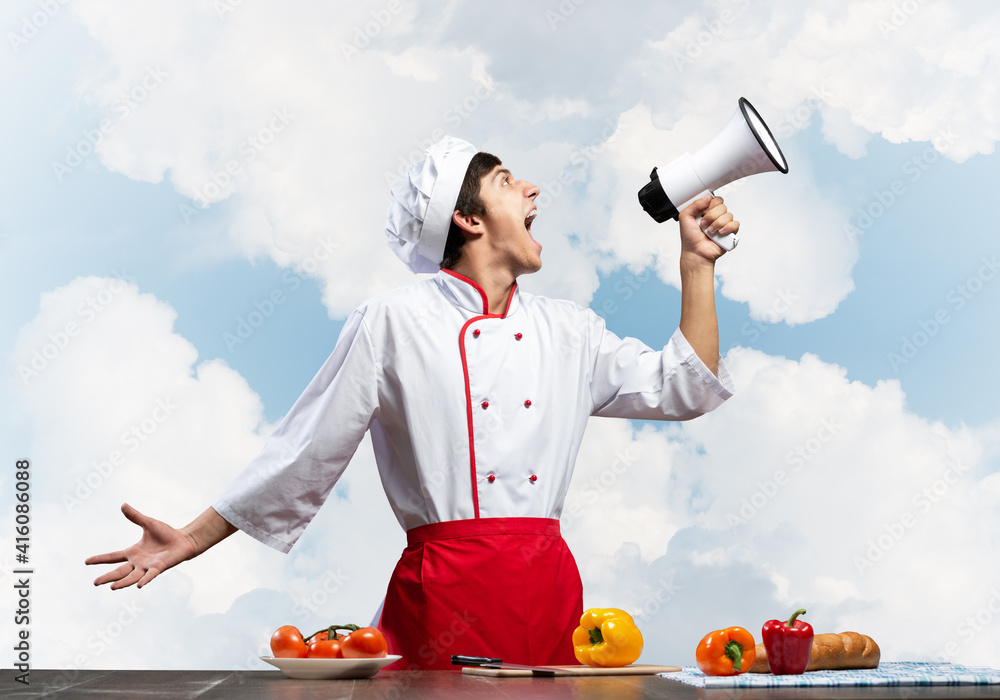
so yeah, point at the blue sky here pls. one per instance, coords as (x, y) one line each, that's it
(863, 294)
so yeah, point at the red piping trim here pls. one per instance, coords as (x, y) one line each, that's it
(482, 294)
(468, 415)
(509, 299)
(465, 372)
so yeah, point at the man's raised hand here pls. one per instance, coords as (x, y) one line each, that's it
(703, 216)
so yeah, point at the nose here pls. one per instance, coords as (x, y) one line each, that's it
(530, 191)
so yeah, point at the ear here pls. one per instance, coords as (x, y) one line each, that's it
(469, 224)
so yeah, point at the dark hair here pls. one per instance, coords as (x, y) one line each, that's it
(469, 203)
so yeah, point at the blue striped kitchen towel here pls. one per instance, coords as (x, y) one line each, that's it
(887, 673)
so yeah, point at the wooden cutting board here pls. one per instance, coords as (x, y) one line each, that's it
(633, 670)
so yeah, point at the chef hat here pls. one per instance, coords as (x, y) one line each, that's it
(421, 206)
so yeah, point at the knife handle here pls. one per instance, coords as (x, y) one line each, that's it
(459, 660)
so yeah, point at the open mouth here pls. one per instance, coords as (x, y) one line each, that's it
(529, 219)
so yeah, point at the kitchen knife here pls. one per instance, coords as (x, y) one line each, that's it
(490, 662)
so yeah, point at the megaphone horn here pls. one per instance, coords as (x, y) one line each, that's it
(744, 147)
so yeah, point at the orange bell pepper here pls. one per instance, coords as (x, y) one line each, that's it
(727, 652)
(607, 637)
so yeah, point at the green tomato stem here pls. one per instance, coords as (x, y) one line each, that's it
(332, 629)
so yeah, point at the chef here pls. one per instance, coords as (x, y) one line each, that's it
(476, 396)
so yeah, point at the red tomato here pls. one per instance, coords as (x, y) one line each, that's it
(324, 648)
(365, 643)
(287, 643)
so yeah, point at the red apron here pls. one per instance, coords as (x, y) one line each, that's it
(501, 587)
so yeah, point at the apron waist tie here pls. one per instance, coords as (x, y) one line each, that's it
(481, 527)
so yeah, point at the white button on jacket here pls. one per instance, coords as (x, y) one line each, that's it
(471, 414)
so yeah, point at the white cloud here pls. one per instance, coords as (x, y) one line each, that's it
(124, 412)
(359, 86)
(805, 490)
(307, 138)
(849, 138)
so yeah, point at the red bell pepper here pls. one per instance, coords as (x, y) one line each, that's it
(788, 644)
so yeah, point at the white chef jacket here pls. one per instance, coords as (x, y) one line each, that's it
(471, 414)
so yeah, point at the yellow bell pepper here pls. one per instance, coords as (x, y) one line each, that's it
(607, 637)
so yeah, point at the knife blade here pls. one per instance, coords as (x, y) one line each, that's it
(490, 662)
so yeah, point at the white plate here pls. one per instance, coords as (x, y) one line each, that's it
(320, 669)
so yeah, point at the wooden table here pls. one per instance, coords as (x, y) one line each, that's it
(393, 685)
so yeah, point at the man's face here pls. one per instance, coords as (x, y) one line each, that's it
(510, 207)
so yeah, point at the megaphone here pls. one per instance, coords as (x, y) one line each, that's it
(744, 147)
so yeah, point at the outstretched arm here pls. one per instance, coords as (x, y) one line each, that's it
(160, 548)
(699, 323)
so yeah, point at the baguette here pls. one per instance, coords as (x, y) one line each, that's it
(832, 652)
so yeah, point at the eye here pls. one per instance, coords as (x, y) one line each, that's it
(506, 180)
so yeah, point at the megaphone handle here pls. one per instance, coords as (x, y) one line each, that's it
(726, 241)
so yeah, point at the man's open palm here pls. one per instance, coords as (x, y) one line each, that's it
(160, 548)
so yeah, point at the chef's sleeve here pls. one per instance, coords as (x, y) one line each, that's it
(631, 380)
(280, 491)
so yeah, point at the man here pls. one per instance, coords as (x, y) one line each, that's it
(476, 396)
